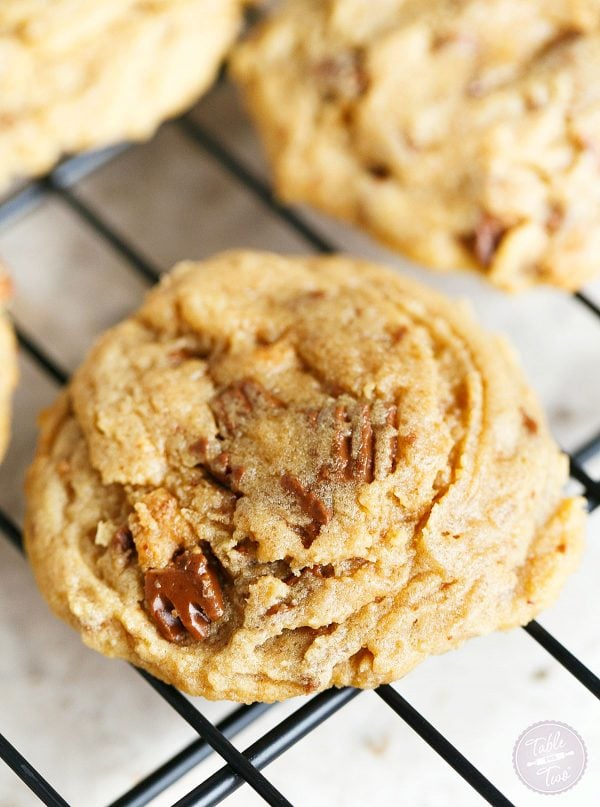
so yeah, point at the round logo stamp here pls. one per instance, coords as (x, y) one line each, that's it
(549, 757)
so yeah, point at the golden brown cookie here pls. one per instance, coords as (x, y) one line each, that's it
(284, 474)
(462, 133)
(77, 76)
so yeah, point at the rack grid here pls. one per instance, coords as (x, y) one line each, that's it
(247, 766)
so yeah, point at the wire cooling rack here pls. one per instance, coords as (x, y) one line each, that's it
(247, 766)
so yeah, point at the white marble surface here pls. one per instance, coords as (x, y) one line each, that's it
(91, 725)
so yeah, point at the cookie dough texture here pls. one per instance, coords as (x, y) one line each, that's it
(8, 363)
(462, 133)
(363, 470)
(79, 75)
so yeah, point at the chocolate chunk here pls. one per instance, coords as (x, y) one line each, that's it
(317, 570)
(123, 540)
(247, 546)
(309, 501)
(358, 449)
(229, 475)
(232, 407)
(201, 448)
(340, 447)
(179, 355)
(314, 507)
(184, 598)
(363, 446)
(218, 465)
(379, 171)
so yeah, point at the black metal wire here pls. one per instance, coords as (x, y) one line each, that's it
(11, 531)
(591, 486)
(588, 303)
(21, 202)
(218, 741)
(187, 759)
(587, 450)
(260, 189)
(101, 227)
(292, 729)
(28, 774)
(261, 753)
(69, 171)
(244, 767)
(443, 747)
(41, 357)
(564, 657)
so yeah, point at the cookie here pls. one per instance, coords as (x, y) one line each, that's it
(77, 76)
(8, 363)
(461, 133)
(284, 474)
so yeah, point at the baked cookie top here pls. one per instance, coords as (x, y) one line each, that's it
(462, 133)
(287, 473)
(8, 362)
(77, 76)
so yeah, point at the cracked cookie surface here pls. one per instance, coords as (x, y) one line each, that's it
(283, 474)
(77, 76)
(8, 363)
(464, 134)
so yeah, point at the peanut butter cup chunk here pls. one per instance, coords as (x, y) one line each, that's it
(8, 362)
(463, 133)
(339, 475)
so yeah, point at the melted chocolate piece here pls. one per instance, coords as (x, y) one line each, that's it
(219, 466)
(123, 540)
(229, 475)
(247, 546)
(235, 404)
(361, 448)
(379, 171)
(317, 570)
(178, 356)
(314, 507)
(184, 598)
(354, 444)
(340, 448)
(201, 448)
